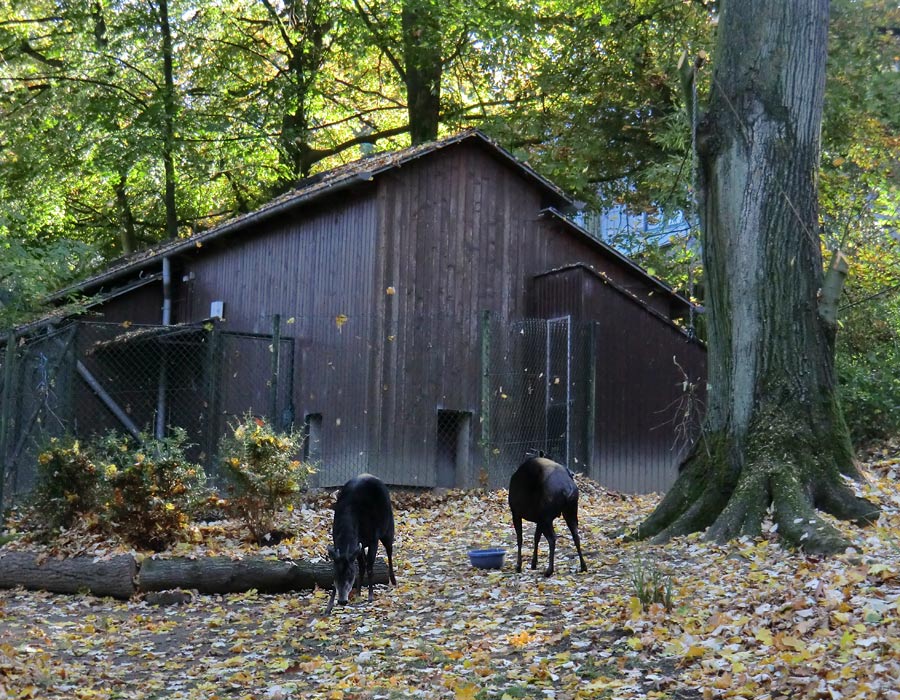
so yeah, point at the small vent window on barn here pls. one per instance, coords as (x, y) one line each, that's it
(312, 448)
(452, 446)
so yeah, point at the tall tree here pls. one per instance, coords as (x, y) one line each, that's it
(774, 432)
(168, 120)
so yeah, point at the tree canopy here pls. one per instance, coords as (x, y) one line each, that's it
(126, 122)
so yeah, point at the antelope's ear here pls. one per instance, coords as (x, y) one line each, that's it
(332, 552)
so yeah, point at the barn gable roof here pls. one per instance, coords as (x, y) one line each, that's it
(309, 190)
(338, 179)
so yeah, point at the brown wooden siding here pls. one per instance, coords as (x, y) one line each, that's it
(450, 235)
(639, 392)
(638, 389)
(312, 269)
(140, 306)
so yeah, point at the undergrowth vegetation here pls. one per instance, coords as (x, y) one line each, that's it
(152, 489)
(263, 472)
(867, 358)
(147, 491)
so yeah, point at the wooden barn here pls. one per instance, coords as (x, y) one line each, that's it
(434, 313)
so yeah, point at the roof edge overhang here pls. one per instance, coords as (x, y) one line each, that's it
(556, 215)
(63, 314)
(354, 177)
(624, 292)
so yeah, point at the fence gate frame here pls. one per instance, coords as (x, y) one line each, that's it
(551, 380)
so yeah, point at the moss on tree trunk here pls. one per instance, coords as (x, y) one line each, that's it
(774, 433)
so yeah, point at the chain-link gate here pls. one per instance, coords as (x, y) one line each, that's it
(538, 393)
(86, 379)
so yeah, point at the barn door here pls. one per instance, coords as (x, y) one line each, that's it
(558, 401)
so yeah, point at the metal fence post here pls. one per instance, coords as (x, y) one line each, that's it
(592, 470)
(5, 403)
(273, 384)
(486, 391)
(213, 369)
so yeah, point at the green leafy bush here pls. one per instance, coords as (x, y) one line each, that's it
(67, 485)
(870, 392)
(263, 471)
(868, 368)
(152, 487)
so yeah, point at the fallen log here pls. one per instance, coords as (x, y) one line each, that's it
(226, 575)
(102, 577)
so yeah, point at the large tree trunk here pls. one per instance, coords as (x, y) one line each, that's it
(304, 31)
(168, 120)
(423, 68)
(774, 431)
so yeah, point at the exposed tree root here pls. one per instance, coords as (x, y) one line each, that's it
(781, 472)
(683, 494)
(743, 515)
(798, 522)
(843, 504)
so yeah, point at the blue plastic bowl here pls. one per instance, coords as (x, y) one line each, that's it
(487, 558)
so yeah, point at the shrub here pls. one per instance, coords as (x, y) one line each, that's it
(263, 471)
(867, 358)
(67, 484)
(153, 488)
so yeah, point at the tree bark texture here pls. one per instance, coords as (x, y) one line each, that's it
(106, 577)
(774, 432)
(305, 37)
(121, 577)
(424, 68)
(169, 108)
(224, 575)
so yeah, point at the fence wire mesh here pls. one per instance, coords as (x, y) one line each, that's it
(539, 390)
(90, 378)
(421, 401)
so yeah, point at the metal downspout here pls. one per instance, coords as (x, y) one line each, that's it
(160, 431)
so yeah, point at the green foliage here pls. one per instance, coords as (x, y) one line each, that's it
(31, 272)
(68, 484)
(152, 487)
(867, 361)
(650, 585)
(264, 473)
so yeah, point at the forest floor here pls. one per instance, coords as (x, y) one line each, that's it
(749, 619)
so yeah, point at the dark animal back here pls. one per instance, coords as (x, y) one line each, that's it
(538, 485)
(367, 500)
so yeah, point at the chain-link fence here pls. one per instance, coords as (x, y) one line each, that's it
(420, 401)
(90, 378)
(539, 393)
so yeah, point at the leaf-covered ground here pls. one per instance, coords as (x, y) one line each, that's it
(749, 619)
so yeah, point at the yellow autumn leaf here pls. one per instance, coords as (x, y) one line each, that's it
(695, 651)
(466, 692)
(764, 636)
(723, 682)
(340, 320)
(520, 639)
(792, 643)
(634, 607)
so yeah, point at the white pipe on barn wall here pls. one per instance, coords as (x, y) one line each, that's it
(163, 360)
